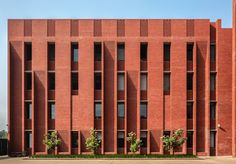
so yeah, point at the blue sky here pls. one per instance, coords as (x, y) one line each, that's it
(212, 9)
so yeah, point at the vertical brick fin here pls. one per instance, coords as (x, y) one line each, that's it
(51, 28)
(97, 28)
(74, 28)
(144, 27)
(190, 28)
(27, 27)
(234, 81)
(212, 32)
(167, 27)
(120, 27)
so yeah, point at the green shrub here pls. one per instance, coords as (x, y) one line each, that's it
(134, 142)
(51, 140)
(93, 142)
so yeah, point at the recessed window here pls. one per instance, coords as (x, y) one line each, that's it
(98, 110)
(74, 52)
(143, 51)
(143, 137)
(28, 51)
(212, 139)
(120, 139)
(166, 82)
(74, 139)
(74, 81)
(121, 82)
(143, 110)
(213, 52)
(189, 81)
(189, 139)
(121, 51)
(190, 110)
(51, 110)
(28, 139)
(28, 81)
(167, 51)
(143, 82)
(166, 133)
(51, 51)
(213, 82)
(51, 80)
(97, 81)
(28, 110)
(97, 51)
(190, 52)
(121, 109)
(213, 110)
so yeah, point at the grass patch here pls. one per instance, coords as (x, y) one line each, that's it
(101, 156)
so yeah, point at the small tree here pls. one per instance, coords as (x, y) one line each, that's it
(174, 141)
(93, 142)
(134, 142)
(51, 140)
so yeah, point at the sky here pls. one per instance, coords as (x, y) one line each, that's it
(9, 9)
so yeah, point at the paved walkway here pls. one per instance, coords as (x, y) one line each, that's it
(205, 160)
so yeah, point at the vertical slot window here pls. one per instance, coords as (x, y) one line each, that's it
(143, 110)
(98, 110)
(190, 52)
(28, 51)
(51, 51)
(97, 51)
(28, 81)
(74, 81)
(51, 80)
(74, 52)
(167, 52)
(121, 110)
(120, 139)
(98, 81)
(121, 82)
(51, 110)
(166, 82)
(143, 51)
(74, 139)
(121, 51)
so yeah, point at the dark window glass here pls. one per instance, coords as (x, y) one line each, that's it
(28, 51)
(213, 110)
(98, 110)
(28, 139)
(121, 51)
(166, 81)
(121, 82)
(120, 139)
(74, 139)
(213, 82)
(213, 52)
(97, 51)
(189, 110)
(166, 133)
(28, 109)
(143, 137)
(121, 110)
(189, 139)
(190, 52)
(51, 110)
(74, 52)
(166, 51)
(28, 81)
(51, 51)
(74, 81)
(143, 110)
(189, 81)
(143, 82)
(143, 51)
(97, 81)
(99, 134)
(51, 81)
(212, 139)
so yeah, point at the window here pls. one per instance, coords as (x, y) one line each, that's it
(213, 82)
(167, 82)
(212, 139)
(143, 82)
(213, 110)
(28, 138)
(28, 109)
(28, 81)
(167, 52)
(97, 51)
(74, 52)
(51, 110)
(51, 51)
(189, 139)
(190, 52)
(143, 137)
(98, 110)
(97, 81)
(121, 51)
(120, 139)
(121, 81)
(74, 81)
(28, 51)
(74, 139)
(213, 52)
(189, 110)
(190, 81)
(143, 110)
(143, 51)
(166, 133)
(121, 109)
(99, 134)
(51, 80)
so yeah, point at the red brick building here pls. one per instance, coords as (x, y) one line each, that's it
(147, 76)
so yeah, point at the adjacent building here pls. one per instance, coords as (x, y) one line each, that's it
(149, 76)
